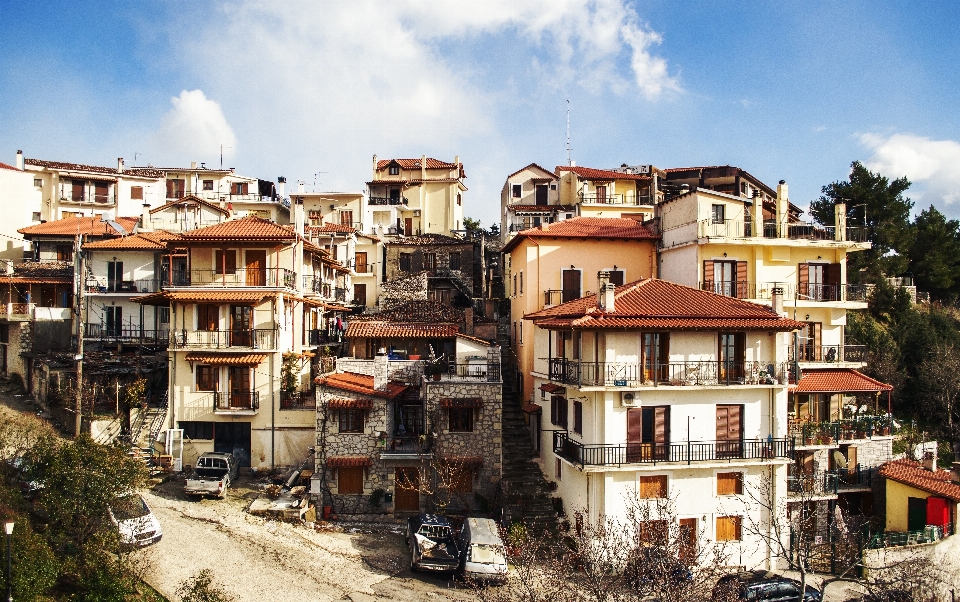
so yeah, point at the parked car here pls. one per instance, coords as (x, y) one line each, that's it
(761, 586)
(433, 545)
(652, 565)
(213, 474)
(482, 554)
(137, 525)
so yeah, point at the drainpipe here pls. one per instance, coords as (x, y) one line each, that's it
(273, 408)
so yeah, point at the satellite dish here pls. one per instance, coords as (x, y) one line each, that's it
(839, 459)
(117, 227)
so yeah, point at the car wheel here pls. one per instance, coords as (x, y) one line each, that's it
(413, 563)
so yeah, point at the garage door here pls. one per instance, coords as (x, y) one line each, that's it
(233, 438)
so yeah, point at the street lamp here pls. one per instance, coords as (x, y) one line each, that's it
(8, 526)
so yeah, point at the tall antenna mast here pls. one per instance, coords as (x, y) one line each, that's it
(569, 162)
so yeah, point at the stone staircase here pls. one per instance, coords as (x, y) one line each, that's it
(145, 429)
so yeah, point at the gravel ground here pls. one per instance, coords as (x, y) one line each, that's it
(253, 558)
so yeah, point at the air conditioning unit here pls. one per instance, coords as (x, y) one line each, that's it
(416, 213)
(628, 399)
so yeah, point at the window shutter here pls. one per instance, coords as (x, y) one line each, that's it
(740, 347)
(722, 418)
(708, 271)
(803, 278)
(634, 425)
(661, 425)
(833, 280)
(729, 483)
(741, 279)
(350, 480)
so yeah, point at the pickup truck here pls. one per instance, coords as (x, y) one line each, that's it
(433, 545)
(212, 475)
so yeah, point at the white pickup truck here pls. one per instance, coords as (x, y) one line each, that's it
(212, 475)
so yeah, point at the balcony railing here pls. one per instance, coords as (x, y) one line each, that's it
(274, 277)
(654, 453)
(555, 297)
(238, 399)
(743, 289)
(18, 309)
(386, 200)
(824, 482)
(298, 400)
(255, 338)
(725, 228)
(103, 285)
(828, 433)
(318, 336)
(619, 374)
(858, 477)
(529, 223)
(127, 334)
(807, 352)
(607, 199)
(480, 371)
(407, 444)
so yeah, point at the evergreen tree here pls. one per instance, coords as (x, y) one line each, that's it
(935, 256)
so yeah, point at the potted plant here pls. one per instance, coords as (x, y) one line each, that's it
(434, 370)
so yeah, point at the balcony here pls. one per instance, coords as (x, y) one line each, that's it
(556, 297)
(830, 433)
(298, 400)
(127, 334)
(404, 447)
(771, 229)
(823, 483)
(272, 277)
(827, 353)
(702, 373)
(472, 371)
(658, 453)
(238, 400)
(255, 338)
(21, 310)
(743, 289)
(607, 199)
(215, 197)
(386, 200)
(317, 336)
(723, 228)
(103, 285)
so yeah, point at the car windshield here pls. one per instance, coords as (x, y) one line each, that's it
(487, 554)
(434, 531)
(129, 507)
(211, 473)
(212, 463)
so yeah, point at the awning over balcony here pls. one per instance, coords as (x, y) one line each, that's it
(202, 296)
(220, 359)
(348, 461)
(531, 408)
(551, 388)
(412, 330)
(342, 403)
(838, 381)
(461, 403)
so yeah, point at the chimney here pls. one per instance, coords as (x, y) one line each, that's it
(119, 164)
(374, 166)
(605, 290)
(281, 186)
(783, 208)
(757, 215)
(468, 320)
(20, 160)
(573, 163)
(776, 301)
(929, 461)
(193, 165)
(300, 188)
(423, 167)
(840, 221)
(456, 160)
(381, 367)
(145, 222)
(298, 218)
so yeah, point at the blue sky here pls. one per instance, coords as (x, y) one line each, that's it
(793, 91)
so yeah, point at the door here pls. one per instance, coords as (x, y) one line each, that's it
(571, 285)
(916, 513)
(731, 355)
(241, 323)
(938, 513)
(648, 433)
(729, 431)
(360, 294)
(541, 194)
(256, 268)
(408, 226)
(114, 276)
(114, 320)
(656, 356)
(346, 218)
(240, 395)
(601, 194)
(361, 261)
(810, 349)
(688, 540)
(233, 438)
(406, 498)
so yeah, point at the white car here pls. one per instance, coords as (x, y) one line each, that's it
(136, 524)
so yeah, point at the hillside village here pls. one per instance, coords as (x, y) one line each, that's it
(681, 341)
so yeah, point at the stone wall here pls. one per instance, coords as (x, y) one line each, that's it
(397, 292)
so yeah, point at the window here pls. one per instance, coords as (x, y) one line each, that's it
(136, 193)
(743, 188)
(226, 262)
(35, 216)
(429, 261)
(819, 281)
(455, 260)
(404, 262)
(114, 276)
(360, 262)
(101, 192)
(653, 487)
(351, 421)
(517, 188)
(656, 356)
(196, 430)
(729, 483)
(206, 377)
(558, 473)
(558, 410)
(346, 218)
(459, 199)
(208, 184)
(208, 317)
(514, 291)
(731, 355)
(616, 277)
(728, 528)
(64, 252)
(176, 189)
(78, 190)
(601, 194)
(113, 316)
(460, 420)
(571, 285)
(578, 417)
(38, 182)
(360, 294)
(350, 480)
(718, 214)
(163, 315)
(521, 282)
(238, 188)
(394, 170)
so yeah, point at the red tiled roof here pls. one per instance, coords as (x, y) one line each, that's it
(550, 387)
(360, 383)
(10, 167)
(659, 304)
(29, 280)
(530, 408)
(202, 296)
(621, 228)
(341, 403)
(144, 172)
(838, 380)
(461, 403)
(429, 239)
(912, 473)
(538, 208)
(474, 339)
(535, 166)
(415, 163)
(188, 200)
(221, 359)
(348, 461)
(147, 241)
(388, 330)
(601, 174)
(90, 226)
(341, 228)
(250, 228)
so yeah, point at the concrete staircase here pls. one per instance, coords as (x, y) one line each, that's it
(145, 428)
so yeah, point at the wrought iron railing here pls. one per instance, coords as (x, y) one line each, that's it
(275, 277)
(827, 433)
(407, 444)
(127, 334)
(256, 338)
(238, 399)
(481, 371)
(105, 285)
(386, 200)
(653, 453)
(298, 400)
(800, 483)
(620, 374)
(808, 352)
(608, 199)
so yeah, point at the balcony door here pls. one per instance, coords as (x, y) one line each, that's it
(571, 285)
(541, 194)
(256, 268)
(729, 431)
(114, 276)
(727, 278)
(656, 356)
(601, 194)
(241, 323)
(361, 262)
(819, 281)
(648, 433)
(240, 395)
(408, 226)
(810, 350)
(731, 355)
(114, 320)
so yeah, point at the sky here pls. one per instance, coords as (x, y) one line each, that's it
(792, 91)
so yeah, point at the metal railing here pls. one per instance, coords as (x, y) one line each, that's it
(127, 334)
(298, 400)
(529, 223)
(891, 539)
(407, 444)
(239, 399)
(727, 228)
(808, 352)
(743, 289)
(823, 482)
(20, 309)
(274, 277)
(386, 200)
(608, 199)
(653, 453)
(555, 297)
(103, 285)
(827, 433)
(620, 374)
(319, 336)
(255, 338)
(480, 371)
(214, 196)
(857, 477)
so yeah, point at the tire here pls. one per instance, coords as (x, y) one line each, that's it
(413, 564)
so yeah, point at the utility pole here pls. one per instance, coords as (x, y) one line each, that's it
(78, 418)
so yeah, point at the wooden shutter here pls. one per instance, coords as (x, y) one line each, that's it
(728, 422)
(226, 262)
(136, 193)
(708, 272)
(417, 261)
(571, 285)
(833, 282)
(346, 218)
(634, 425)
(803, 278)
(616, 277)
(729, 483)
(350, 480)
(741, 279)
(360, 294)
(78, 190)
(661, 424)
(852, 458)
(816, 329)
(361, 262)
(740, 347)
(578, 417)
(728, 528)
(653, 487)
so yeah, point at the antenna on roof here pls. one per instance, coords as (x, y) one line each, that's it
(135, 155)
(221, 154)
(315, 179)
(568, 133)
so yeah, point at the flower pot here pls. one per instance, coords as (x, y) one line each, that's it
(860, 435)
(436, 376)
(327, 510)
(808, 441)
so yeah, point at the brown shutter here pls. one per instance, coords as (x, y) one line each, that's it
(733, 423)
(741, 279)
(816, 339)
(803, 279)
(722, 422)
(634, 425)
(740, 347)
(852, 458)
(169, 189)
(661, 424)
(708, 271)
(833, 281)
(729, 483)
(350, 480)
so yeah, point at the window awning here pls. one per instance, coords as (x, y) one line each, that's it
(341, 403)
(838, 380)
(348, 461)
(531, 408)
(461, 403)
(551, 388)
(221, 359)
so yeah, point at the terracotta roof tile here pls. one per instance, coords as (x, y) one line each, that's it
(90, 226)
(429, 239)
(342, 403)
(415, 163)
(530, 408)
(538, 208)
(912, 473)
(838, 380)
(620, 228)
(146, 241)
(360, 383)
(187, 200)
(654, 303)
(474, 339)
(10, 167)
(601, 174)
(251, 228)
(328, 228)
(224, 359)
(44, 269)
(550, 388)
(399, 331)
(202, 296)
(473, 402)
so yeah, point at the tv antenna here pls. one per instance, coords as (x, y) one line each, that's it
(316, 179)
(569, 162)
(221, 154)
(135, 155)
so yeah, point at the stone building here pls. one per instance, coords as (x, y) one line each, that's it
(452, 266)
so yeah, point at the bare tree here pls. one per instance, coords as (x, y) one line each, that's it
(940, 373)
(539, 570)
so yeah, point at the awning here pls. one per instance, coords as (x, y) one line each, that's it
(461, 403)
(202, 295)
(838, 380)
(531, 408)
(462, 460)
(348, 461)
(220, 359)
(551, 388)
(340, 403)
(392, 330)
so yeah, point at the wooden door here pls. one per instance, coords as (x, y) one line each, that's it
(634, 434)
(729, 431)
(406, 497)
(256, 268)
(361, 262)
(688, 540)
(240, 395)
(360, 294)
(346, 218)
(241, 318)
(916, 513)
(541, 194)
(571, 285)
(408, 226)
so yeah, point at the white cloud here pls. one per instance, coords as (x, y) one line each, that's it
(195, 126)
(930, 163)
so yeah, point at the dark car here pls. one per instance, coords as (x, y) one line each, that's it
(433, 545)
(761, 586)
(651, 566)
